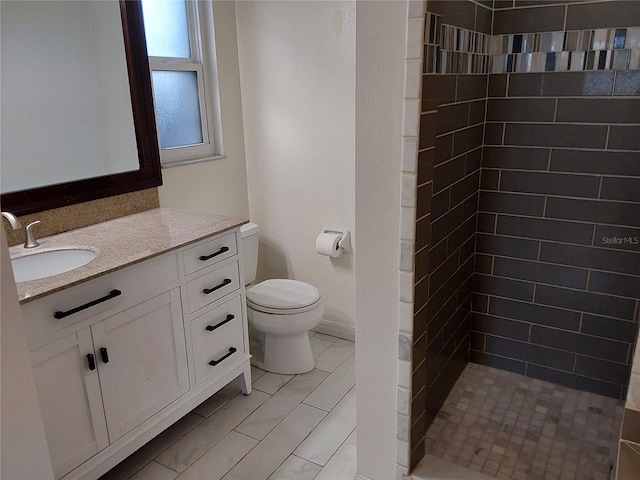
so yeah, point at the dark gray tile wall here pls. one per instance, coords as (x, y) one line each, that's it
(527, 214)
(449, 161)
(464, 14)
(556, 291)
(624, 13)
(536, 16)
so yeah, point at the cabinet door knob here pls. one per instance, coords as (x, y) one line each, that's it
(104, 355)
(204, 258)
(211, 328)
(232, 350)
(225, 282)
(92, 361)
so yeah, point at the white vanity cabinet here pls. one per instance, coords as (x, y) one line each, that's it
(70, 401)
(141, 361)
(97, 384)
(133, 351)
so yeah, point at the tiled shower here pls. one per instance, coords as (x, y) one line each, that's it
(527, 258)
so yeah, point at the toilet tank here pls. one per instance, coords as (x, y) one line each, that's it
(249, 250)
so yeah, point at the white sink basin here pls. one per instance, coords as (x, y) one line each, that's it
(52, 262)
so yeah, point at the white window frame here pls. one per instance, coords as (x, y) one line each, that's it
(203, 62)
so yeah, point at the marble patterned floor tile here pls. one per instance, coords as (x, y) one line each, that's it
(218, 400)
(342, 465)
(506, 425)
(434, 468)
(224, 455)
(274, 410)
(335, 387)
(267, 456)
(319, 345)
(141, 457)
(271, 382)
(256, 373)
(296, 468)
(335, 355)
(208, 444)
(197, 442)
(334, 429)
(325, 337)
(155, 471)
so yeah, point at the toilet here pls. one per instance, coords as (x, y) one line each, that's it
(281, 312)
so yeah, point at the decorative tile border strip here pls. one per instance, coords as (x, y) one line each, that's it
(450, 49)
(571, 41)
(432, 55)
(567, 61)
(577, 50)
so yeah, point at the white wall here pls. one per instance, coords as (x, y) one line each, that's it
(217, 186)
(297, 65)
(23, 445)
(380, 53)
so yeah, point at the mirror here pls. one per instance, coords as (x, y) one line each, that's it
(105, 126)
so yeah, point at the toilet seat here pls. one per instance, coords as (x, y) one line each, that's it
(283, 297)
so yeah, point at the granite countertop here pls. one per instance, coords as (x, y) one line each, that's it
(120, 243)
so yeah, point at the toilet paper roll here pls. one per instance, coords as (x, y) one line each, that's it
(327, 244)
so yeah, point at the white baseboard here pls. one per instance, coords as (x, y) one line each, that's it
(336, 330)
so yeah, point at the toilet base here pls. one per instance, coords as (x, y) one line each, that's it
(283, 354)
(280, 343)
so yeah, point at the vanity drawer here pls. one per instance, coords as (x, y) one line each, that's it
(212, 286)
(133, 283)
(225, 347)
(210, 252)
(220, 321)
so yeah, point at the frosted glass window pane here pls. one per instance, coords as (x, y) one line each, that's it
(177, 108)
(166, 28)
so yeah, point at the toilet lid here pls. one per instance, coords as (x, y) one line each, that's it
(283, 294)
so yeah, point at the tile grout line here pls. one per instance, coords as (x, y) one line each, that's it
(301, 403)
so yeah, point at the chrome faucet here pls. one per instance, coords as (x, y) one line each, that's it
(15, 223)
(31, 241)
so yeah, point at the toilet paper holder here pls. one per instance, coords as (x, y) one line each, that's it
(345, 241)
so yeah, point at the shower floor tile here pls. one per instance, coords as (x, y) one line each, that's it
(512, 427)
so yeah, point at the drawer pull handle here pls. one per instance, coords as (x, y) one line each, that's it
(211, 328)
(232, 350)
(112, 294)
(204, 258)
(104, 355)
(92, 361)
(226, 282)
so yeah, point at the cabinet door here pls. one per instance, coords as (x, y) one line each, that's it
(69, 397)
(142, 361)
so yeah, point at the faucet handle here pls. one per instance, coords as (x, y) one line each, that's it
(31, 241)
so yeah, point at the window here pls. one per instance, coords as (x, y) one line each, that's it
(181, 56)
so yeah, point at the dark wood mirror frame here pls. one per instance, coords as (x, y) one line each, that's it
(149, 175)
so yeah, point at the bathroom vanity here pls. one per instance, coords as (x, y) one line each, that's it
(125, 345)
